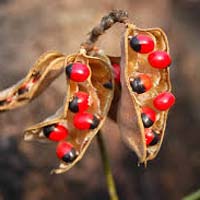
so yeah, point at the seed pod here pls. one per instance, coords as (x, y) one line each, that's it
(48, 67)
(132, 118)
(82, 126)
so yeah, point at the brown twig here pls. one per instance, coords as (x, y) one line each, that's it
(107, 21)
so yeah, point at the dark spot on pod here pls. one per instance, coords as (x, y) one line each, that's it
(80, 102)
(66, 152)
(108, 85)
(148, 117)
(142, 43)
(22, 90)
(77, 72)
(152, 138)
(141, 84)
(55, 132)
(85, 121)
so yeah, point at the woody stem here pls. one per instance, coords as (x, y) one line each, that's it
(106, 22)
(107, 168)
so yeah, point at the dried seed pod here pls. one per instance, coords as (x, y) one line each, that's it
(49, 66)
(133, 65)
(82, 130)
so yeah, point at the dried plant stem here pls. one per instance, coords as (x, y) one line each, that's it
(106, 22)
(107, 169)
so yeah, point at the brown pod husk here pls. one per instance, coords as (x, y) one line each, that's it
(129, 118)
(48, 67)
(100, 100)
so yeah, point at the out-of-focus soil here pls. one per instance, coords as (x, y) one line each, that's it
(29, 28)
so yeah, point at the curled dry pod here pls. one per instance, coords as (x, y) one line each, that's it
(100, 97)
(44, 71)
(133, 64)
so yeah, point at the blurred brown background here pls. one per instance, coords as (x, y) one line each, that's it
(29, 28)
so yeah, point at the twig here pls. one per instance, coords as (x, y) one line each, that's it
(106, 22)
(107, 169)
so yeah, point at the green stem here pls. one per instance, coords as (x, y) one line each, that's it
(107, 169)
(193, 196)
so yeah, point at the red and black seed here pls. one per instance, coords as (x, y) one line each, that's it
(85, 121)
(137, 86)
(152, 138)
(142, 43)
(66, 152)
(108, 85)
(148, 117)
(80, 102)
(48, 129)
(55, 132)
(77, 72)
(141, 84)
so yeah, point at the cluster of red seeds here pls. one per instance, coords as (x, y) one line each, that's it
(144, 44)
(82, 120)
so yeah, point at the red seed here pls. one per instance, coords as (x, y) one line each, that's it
(146, 81)
(142, 43)
(63, 148)
(151, 114)
(85, 121)
(151, 137)
(164, 101)
(159, 59)
(78, 72)
(141, 83)
(80, 102)
(116, 69)
(59, 133)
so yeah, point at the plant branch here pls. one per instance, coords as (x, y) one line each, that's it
(106, 22)
(107, 169)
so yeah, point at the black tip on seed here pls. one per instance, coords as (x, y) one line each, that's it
(155, 139)
(137, 86)
(108, 85)
(73, 105)
(70, 156)
(147, 122)
(135, 44)
(68, 70)
(48, 129)
(95, 123)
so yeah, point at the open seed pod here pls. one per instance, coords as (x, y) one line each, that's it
(49, 66)
(145, 84)
(90, 88)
